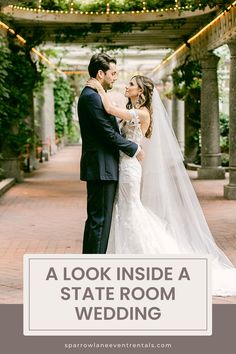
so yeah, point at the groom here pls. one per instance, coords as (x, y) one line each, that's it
(99, 165)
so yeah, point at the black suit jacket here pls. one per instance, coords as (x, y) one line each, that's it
(101, 139)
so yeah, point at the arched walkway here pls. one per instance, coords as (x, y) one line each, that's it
(46, 215)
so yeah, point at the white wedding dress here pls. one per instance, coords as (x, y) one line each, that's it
(137, 228)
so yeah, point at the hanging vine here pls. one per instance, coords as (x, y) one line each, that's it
(187, 86)
(19, 77)
(64, 96)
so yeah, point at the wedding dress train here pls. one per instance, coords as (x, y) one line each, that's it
(149, 219)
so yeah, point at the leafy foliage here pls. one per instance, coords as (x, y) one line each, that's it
(5, 65)
(19, 76)
(152, 4)
(224, 138)
(201, 4)
(68, 34)
(64, 96)
(187, 80)
(187, 86)
(29, 3)
(56, 4)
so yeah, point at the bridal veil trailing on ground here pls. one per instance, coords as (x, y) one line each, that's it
(167, 191)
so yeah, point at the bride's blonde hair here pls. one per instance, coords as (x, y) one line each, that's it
(145, 98)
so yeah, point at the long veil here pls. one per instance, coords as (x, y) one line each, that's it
(167, 190)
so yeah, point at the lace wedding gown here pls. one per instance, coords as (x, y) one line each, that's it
(135, 229)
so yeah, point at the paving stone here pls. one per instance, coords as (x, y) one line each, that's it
(46, 214)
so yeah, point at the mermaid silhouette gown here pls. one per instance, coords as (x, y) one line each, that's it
(135, 229)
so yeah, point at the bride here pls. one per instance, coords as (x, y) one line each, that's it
(156, 210)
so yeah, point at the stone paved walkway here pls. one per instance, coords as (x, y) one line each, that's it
(46, 214)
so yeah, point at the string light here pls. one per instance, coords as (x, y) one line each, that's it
(108, 8)
(190, 40)
(72, 7)
(3, 25)
(75, 72)
(108, 11)
(23, 41)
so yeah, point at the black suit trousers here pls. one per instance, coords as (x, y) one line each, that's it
(100, 199)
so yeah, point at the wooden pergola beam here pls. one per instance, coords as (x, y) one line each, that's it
(222, 31)
(46, 16)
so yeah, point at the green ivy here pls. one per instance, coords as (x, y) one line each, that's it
(68, 34)
(5, 65)
(29, 3)
(56, 4)
(187, 86)
(224, 138)
(187, 80)
(64, 96)
(19, 77)
(202, 4)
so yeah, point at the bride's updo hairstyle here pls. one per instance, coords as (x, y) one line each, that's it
(145, 98)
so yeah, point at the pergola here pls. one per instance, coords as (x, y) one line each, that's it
(156, 30)
(193, 34)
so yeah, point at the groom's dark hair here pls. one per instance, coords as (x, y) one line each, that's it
(100, 61)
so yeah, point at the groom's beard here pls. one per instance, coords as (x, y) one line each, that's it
(107, 85)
